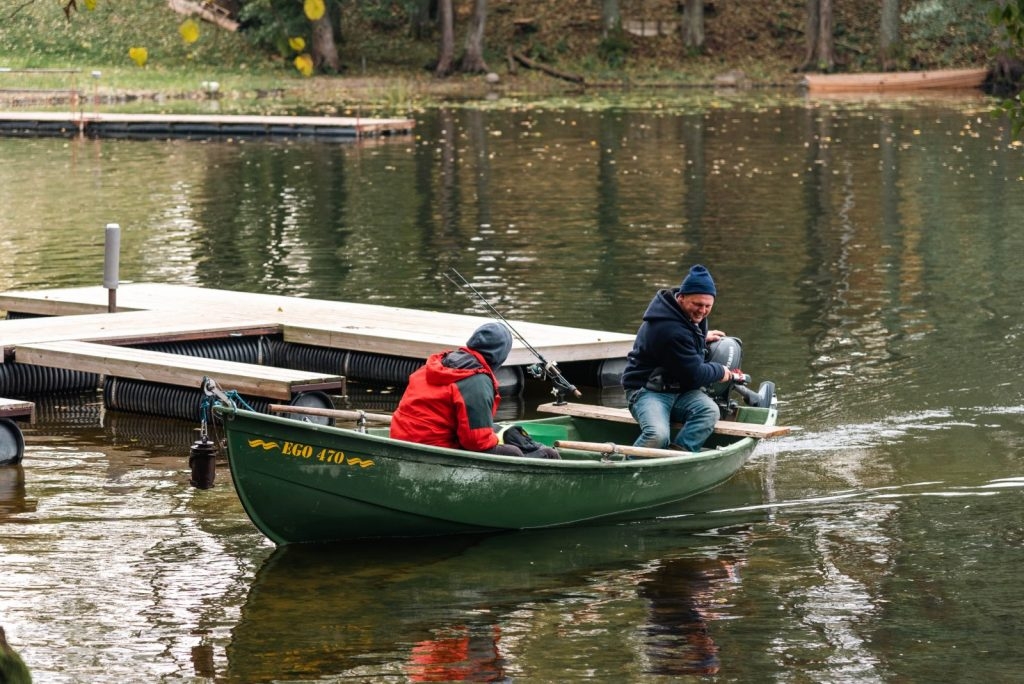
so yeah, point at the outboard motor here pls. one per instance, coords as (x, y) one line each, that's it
(728, 351)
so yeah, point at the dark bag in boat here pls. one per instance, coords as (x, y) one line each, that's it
(518, 437)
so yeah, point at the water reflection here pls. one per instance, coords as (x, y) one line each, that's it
(866, 253)
(859, 229)
(477, 609)
(13, 498)
(684, 596)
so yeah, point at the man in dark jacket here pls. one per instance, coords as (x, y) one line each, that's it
(667, 366)
(452, 400)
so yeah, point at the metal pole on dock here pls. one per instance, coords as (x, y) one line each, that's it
(111, 259)
(95, 93)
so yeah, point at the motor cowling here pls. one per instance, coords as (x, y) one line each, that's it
(728, 351)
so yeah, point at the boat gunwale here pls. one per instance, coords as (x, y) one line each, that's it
(480, 459)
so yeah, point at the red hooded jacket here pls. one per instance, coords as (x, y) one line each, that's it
(450, 402)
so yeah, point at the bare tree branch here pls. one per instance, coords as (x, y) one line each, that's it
(19, 8)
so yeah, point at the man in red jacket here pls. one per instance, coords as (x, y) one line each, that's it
(452, 400)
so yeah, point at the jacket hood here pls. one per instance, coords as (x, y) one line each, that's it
(449, 367)
(665, 308)
(493, 342)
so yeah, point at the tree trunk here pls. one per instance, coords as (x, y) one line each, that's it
(324, 50)
(611, 18)
(821, 55)
(421, 19)
(446, 48)
(810, 35)
(693, 26)
(826, 41)
(889, 46)
(473, 59)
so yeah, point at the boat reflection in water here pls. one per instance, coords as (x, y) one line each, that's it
(13, 495)
(463, 608)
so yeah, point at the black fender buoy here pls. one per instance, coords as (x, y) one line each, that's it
(202, 461)
(315, 399)
(12, 443)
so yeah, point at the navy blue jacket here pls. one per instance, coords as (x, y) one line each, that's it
(669, 340)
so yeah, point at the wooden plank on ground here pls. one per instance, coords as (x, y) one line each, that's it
(16, 408)
(174, 369)
(209, 11)
(621, 415)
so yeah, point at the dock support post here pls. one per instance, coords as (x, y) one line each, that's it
(111, 258)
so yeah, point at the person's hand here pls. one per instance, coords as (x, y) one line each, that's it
(714, 335)
(737, 376)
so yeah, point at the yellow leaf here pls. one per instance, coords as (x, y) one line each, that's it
(139, 55)
(304, 63)
(314, 9)
(297, 43)
(90, 4)
(189, 31)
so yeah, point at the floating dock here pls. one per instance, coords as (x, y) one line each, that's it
(151, 354)
(150, 312)
(198, 126)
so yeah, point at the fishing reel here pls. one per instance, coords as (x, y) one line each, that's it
(560, 387)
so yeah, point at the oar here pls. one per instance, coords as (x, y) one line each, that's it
(609, 448)
(341, 414)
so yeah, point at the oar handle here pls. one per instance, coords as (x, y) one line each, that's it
(609, 448)
(342, 414)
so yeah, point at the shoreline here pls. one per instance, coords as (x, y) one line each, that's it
(379, 90)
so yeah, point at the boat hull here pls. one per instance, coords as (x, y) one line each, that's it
(304, 483)
(946, 79)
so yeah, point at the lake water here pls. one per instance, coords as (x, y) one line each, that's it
(869, 255)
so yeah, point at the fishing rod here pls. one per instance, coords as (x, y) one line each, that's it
(543, 370)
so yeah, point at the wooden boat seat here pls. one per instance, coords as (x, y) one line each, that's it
(174, 369)
(621, 415)
(16, 408)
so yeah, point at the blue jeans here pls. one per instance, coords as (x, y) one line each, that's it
(656, 411)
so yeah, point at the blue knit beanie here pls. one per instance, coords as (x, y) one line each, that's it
(698, 281)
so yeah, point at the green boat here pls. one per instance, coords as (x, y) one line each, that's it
(306, 482)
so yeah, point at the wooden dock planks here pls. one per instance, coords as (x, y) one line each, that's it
(16, 408)
(200, 125)
(174, 369)
(136, 327)
(352, 326)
